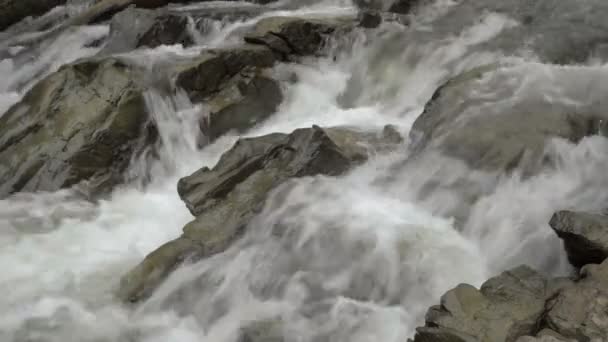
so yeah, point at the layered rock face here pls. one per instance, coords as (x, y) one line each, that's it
(84, 122)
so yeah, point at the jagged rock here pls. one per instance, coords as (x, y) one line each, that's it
(585, 236)
(224, 199)
(167, 29)
(297, 36)
(83, 122)
(476, 117)
(244, 101)
(234, 85)
(505, 308)
(13, 11)
(580, 310)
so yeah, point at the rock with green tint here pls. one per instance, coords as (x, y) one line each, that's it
(82, 123)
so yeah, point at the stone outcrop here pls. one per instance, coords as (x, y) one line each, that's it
(585, 236)
(224, 199)
(505, 308)
(83, 122)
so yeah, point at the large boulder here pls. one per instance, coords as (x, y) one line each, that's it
(504, 309)
(495, 119)
(224, 199)
(82, 123)
(580, 310)
(12, 11)
(585, 236)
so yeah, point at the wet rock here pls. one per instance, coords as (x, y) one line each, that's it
(224, 199)
(263, 331)
(82, 123)
(545, 335)
(297, 36)
(585, 236)
(243, 102)
(478, 117)
(167, 30)
(580, 311)
(395, 6)
(13, 11)
(235, 86)
(505, 308)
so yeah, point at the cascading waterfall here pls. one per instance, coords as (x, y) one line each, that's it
(353, 258)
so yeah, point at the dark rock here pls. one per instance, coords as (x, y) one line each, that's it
(476, 117)
(370, 19)
(83, 122)
(205, 75)
(167, 30)
(13, 11)
(244, 101)
(395, 6)
(224, 199)
(585, 236)
(298, 36)
(234, 85)
(505, 308)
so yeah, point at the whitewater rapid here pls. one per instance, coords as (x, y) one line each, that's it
(383, 253)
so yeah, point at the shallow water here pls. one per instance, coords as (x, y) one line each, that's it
(355, 258)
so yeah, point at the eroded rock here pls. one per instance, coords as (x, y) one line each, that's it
(224, 199)
(83, 122)
(580, 310)
(505, 308)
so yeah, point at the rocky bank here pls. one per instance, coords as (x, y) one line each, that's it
(85, 124)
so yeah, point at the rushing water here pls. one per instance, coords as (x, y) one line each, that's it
(355, 258)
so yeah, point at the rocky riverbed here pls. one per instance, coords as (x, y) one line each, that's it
(313, 170)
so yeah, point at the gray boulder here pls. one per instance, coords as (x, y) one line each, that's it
(224, 199)
(504, 309)
(82, 123)
(580, 311)
(585, 236)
